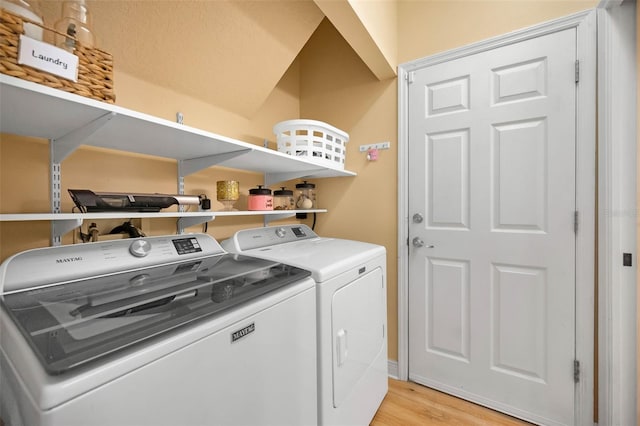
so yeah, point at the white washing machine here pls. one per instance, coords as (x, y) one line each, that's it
(351, 314)
(155, 331)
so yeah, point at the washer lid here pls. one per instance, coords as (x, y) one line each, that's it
(324, 257)
(299, 246)
(72, 323)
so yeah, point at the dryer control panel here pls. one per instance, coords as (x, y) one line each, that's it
(249, 239)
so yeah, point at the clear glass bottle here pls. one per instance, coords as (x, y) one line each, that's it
(77, 23)
(305, 196)
(283, 199)
(29, 9)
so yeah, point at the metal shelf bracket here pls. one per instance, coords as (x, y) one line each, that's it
(59, 227)
(271, 178)
(65, 145)
(270, 218)
(185, 222)
(190, 166)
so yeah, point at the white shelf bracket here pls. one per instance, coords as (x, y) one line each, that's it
(65, 145)
(271, 178)
(185, 222)
(193, 165)
(270, 218)
(59, 227)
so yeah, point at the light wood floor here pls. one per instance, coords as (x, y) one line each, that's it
(408, 404)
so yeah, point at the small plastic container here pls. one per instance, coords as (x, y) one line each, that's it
(260, 199)
(305, 196)
(283, 199)
(29, 9)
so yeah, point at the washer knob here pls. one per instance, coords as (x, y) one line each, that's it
(140, 248)
(280, 232)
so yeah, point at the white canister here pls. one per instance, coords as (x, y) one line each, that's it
(29, 9)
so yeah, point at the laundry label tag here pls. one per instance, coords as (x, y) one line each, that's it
(47, 57)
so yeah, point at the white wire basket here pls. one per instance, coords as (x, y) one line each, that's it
(312, 140)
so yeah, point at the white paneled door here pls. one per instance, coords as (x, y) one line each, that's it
(492, 143)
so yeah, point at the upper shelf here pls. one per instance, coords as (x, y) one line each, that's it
(69, 120)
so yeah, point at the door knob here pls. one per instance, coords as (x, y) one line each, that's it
(417, 218)
(417, 242)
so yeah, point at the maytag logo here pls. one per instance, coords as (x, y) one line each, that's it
(70, 259)
(239, 334)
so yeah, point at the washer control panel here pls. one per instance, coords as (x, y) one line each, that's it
(63, 263)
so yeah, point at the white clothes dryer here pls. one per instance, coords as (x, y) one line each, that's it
(351, 314)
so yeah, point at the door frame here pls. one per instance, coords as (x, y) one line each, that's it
(585, 25)
(617, 198)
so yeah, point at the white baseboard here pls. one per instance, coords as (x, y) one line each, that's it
(393, 369)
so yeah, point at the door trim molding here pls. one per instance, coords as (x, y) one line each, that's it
(585, 24)
(617, 232)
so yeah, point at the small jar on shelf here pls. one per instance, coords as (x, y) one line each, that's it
(260, 199)
(283, 199)
(305, 196)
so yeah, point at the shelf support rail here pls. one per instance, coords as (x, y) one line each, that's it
(55, 195)
(59, 149)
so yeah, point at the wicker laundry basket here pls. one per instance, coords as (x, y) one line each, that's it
(95, 66)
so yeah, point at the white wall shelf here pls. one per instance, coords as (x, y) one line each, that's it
(69, 121)
(66, 222)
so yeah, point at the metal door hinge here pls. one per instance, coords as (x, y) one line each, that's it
(576, 371)
(409, 77)
(576, 221)
(577, 70)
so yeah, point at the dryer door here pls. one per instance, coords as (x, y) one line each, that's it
(358, 318)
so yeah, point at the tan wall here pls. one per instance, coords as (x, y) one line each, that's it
(429, 27)
(336, 87)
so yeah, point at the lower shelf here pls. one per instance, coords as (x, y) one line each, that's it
(61, 223)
